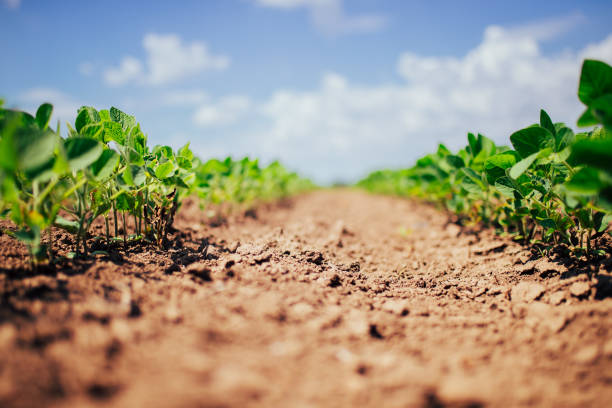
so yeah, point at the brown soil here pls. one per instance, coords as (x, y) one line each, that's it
(336, 298)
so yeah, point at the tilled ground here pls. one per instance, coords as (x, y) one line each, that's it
(336, 298)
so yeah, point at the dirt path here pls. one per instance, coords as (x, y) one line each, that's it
(337, 299)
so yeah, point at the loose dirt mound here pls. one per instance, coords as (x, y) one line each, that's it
(336, 299)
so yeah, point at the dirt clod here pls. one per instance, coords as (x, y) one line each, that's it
(335, 281)
(526, 292)
(201, 270)
(580, 289)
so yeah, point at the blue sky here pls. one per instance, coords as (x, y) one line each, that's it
(333, 88)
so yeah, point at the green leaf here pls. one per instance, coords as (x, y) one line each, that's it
(113, 133)
(28, 236)
(105, 165)
(562, 156)
(81, 152)
(93, 131)
(601, 220)
(584, 217)
(126, 121)
(86, 116)
(522, 166)
(593, 152)
(443, 150)
(43, 172)
(473, 147)
(70, 226)
(179, 182)
(8, 153)
(101, 204)
(134, 175)
(163, 151)
(124, 202)
(587, 119)
(602, 110)
(595, 81)
(185, 163)
(455, 161)
(585, 181)
(185, 152)
(34, 147)
(495, 166)
(104, 115)
(502, 160)
(546, 122)
(133, 156)
(472, 182)
(16, 119)
(486, 148)
(138, 140)
(564, 137)
(548, 223)
(43, 115)
(531, 140)
(506, 187)
(472, 186)
(164, 170)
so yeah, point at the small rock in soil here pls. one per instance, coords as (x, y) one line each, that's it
(546, 268)
(526, 292)
(557, 297)
(587, 354)
(135, 310)
(262, 258)
(580, 289)
(396, 307)
(234, 247)
(374, 333)
(454, 293)
(200, 270)
(335, 281)
(314, 257)
(174, 267)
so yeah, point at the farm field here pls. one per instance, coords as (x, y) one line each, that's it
(330, 298)
(197, 222)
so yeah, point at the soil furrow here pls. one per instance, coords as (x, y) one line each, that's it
(335, 298)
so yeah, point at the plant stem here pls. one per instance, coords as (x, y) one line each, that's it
(107, 229)
(124, 231)
(116, 223)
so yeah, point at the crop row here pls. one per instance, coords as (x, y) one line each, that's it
(104, 170)
(552, 187)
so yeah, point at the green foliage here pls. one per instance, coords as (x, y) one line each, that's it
(245, 182)
(105, 169)
(554, 187)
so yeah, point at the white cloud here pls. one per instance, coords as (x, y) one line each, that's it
(225, 112)
(64, 106)
(12, 4)
(342, 129)
(167, 60)
(329, 16)
(129, 70)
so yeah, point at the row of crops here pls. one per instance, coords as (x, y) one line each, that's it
(553, 186)
(104, 171)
